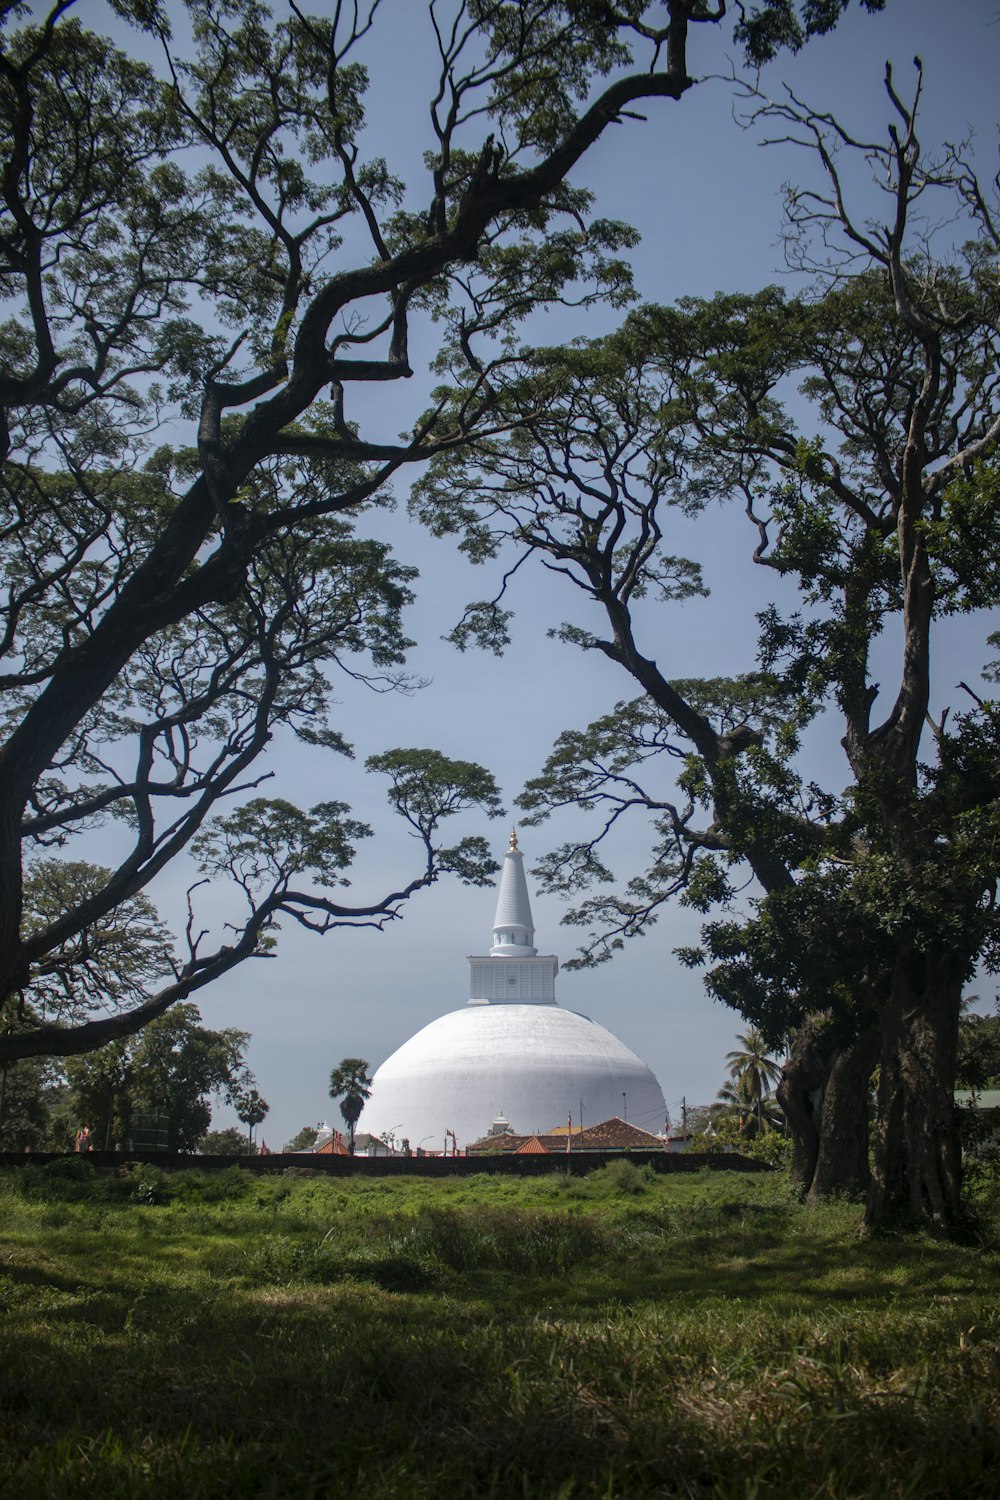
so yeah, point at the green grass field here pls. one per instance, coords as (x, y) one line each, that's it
(616, 1336)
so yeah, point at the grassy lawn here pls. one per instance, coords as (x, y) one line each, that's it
(613, 1336)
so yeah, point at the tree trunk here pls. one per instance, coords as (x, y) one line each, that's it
(824, 1095)
(800, 1094)
(917, 1172)
(842, 1159)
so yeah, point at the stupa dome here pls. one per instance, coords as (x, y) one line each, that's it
(511, 1051)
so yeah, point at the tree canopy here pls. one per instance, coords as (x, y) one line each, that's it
(167, 1074)
(878, 500)
(351, 1086)
(200, 262)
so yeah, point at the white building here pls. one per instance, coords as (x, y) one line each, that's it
(511, 1051)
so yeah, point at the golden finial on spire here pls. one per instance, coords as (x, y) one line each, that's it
(512, 846)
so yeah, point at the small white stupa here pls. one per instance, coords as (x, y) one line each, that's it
(511, 1051)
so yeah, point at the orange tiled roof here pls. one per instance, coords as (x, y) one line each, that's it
(615, 1135)
(531, 1147)
(333, 1147)
(610, 1135)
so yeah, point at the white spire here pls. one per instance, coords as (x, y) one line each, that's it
(513, 929)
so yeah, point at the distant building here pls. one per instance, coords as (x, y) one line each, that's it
(332, 1144)
(610, 1135)
(511, 1055)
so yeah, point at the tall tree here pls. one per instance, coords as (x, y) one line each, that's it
(753, 1070)
(886, 508)
(252, 1108)
(205, 254)
(349, 1082)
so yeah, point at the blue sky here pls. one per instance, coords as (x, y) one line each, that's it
(706, 197)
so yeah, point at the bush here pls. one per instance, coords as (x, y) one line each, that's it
(770, 1146)
(150, 1184)
(229, 1185)
(622, 1177)
(75, 1168)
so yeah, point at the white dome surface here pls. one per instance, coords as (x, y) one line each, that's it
(533, 1063)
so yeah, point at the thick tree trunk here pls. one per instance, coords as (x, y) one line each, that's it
(824, 1095)
(917, 1171)
(842, 1159)
(800, 1094)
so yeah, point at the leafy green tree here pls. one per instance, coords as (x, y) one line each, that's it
(228, 1142)
(349, 1082)
(32, 1107)
(205, 252)
(885, 509)
(107, 966)
(303, 1139)
(978, 1066)
(101, 1093)
(170, 1071)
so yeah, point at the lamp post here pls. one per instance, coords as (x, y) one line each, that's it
(624, 1106)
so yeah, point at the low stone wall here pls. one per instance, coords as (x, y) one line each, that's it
(577, 1162)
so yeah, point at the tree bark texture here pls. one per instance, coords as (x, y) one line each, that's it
(824, 1095)
(842, 1160)
(917, 1170)
(800, 1094)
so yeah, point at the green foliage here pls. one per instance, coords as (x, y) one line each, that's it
(35, 1113)
(228, 1142)
(768, 27)
(303, 1139)
(768, 1146)
(149, 1184)
(251, 1107)
(964, 539)
(762, 967)
(622, 1177)
(752, 1066)
(350, 1084)
(170, 1070)
(427, 787)
(979, 1051)
(269, 840)
(110, 964)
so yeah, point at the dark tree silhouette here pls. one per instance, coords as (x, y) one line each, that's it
(881, 505)
(349, 1082)
(201, 262)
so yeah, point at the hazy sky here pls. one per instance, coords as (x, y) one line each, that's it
(706, 198)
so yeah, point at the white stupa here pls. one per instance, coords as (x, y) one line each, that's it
(510, 1052)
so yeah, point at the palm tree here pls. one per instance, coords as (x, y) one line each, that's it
(349, 1082)
(251, 1108)
(754, 1072)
